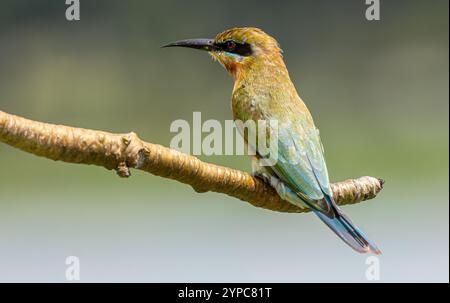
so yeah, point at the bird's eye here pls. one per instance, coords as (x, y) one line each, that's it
(231, 45)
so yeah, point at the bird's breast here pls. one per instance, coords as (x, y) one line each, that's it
(248, 104)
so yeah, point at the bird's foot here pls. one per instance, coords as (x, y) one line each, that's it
(282, 190)
(261, 175)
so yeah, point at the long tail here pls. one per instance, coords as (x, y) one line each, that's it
(348, 232)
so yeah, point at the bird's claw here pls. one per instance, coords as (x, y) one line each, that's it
(261, 175)
(282, 190)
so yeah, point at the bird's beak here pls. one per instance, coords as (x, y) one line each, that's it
(203, 44)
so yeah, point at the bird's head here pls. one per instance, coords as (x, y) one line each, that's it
(238, 49)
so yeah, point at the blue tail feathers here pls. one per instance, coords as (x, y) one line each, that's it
(341, 225)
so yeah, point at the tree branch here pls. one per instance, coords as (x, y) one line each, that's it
(124, 151)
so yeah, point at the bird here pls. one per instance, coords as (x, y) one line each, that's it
(264, 91)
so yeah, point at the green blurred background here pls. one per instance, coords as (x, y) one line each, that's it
(378, 91)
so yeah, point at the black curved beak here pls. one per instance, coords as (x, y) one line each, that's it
(203, 44)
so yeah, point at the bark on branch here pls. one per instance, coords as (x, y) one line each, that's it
(124, 151)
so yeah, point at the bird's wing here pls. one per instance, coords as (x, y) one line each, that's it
(301, 163)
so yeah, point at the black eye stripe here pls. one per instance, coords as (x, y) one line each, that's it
(243, 49)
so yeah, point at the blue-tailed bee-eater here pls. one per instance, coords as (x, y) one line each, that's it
(263, 90)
